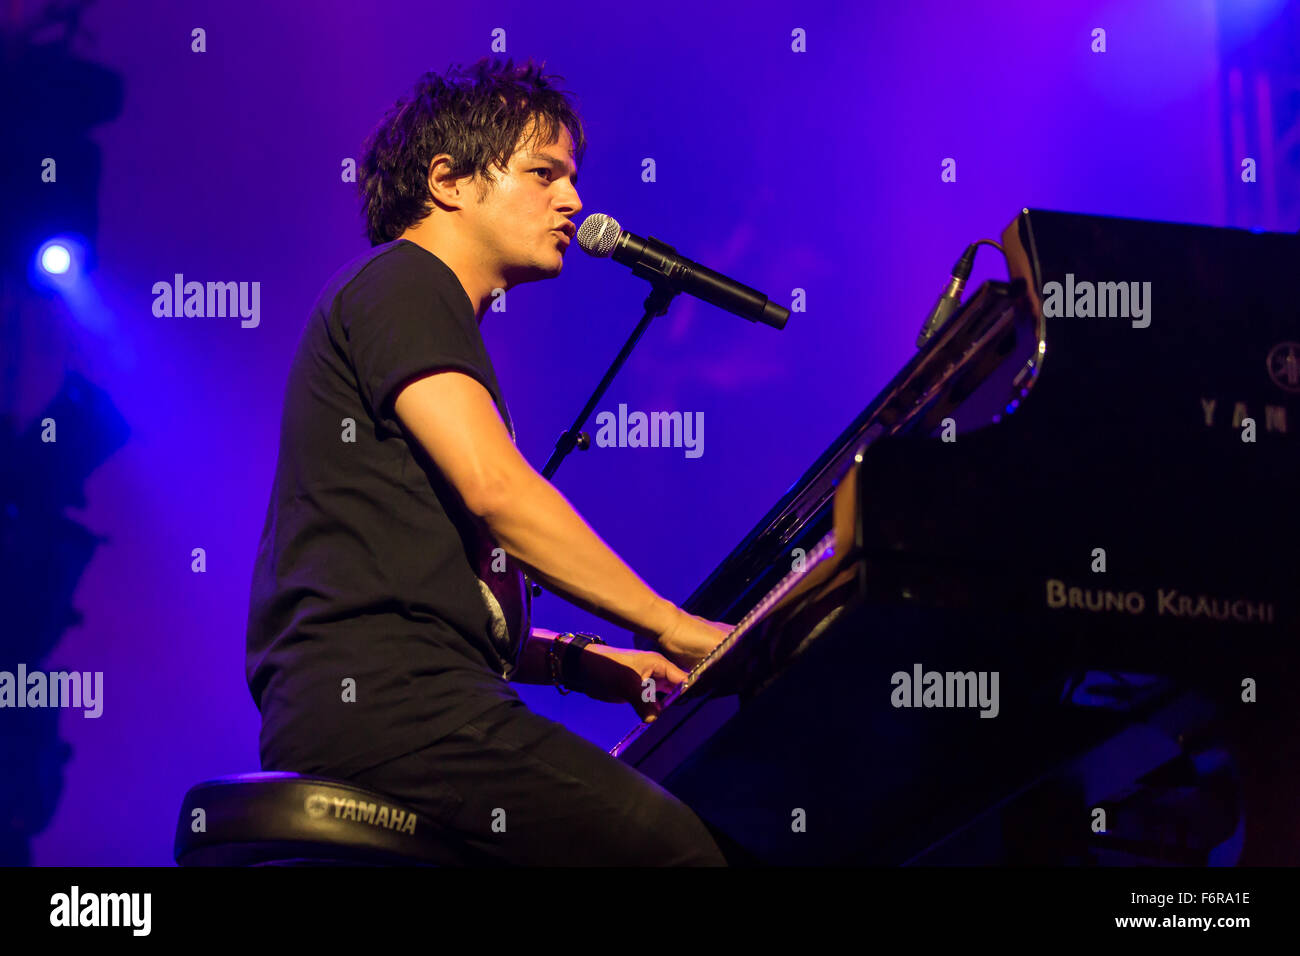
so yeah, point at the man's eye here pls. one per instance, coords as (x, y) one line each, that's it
(541, 169)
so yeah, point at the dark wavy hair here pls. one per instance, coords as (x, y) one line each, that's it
(477, 115)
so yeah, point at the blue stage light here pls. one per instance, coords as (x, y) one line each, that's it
(60, 262)
(55, 258)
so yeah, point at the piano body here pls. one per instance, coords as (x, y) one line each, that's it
(1098, 514)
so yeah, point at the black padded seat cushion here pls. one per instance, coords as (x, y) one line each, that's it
(267, 818)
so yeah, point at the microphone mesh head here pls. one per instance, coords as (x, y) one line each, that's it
(598, 233)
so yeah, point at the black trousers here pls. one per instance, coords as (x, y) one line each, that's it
(512, 787)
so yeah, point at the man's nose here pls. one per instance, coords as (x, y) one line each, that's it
(571, 205)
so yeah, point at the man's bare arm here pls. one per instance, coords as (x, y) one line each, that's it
(454, 418)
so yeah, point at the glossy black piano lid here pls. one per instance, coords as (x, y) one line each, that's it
(802, 515)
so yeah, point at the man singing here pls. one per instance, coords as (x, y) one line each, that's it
(389, 608)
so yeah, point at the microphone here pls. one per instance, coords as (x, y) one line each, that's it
(601, 236)
(950, 297)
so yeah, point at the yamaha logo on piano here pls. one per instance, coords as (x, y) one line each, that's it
(1284, 366)
(1274, 415)
(1283, 363)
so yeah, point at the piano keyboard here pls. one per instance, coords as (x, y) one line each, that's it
(825, 548)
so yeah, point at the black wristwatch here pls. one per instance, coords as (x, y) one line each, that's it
(566, 671)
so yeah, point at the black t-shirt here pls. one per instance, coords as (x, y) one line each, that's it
(382, 614)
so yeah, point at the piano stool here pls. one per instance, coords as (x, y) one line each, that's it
(289, 819)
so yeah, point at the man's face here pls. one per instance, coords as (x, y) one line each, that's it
(515, 223)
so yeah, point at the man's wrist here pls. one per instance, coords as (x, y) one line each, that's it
(554, 661)
(574, 654)
(663, 617)
(575, 673)
(565, 657)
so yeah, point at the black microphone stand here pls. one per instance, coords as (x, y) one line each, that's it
(656, 303)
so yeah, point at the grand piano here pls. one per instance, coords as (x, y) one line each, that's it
(1040, 601)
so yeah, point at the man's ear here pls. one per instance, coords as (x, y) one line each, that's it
(446, 190)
